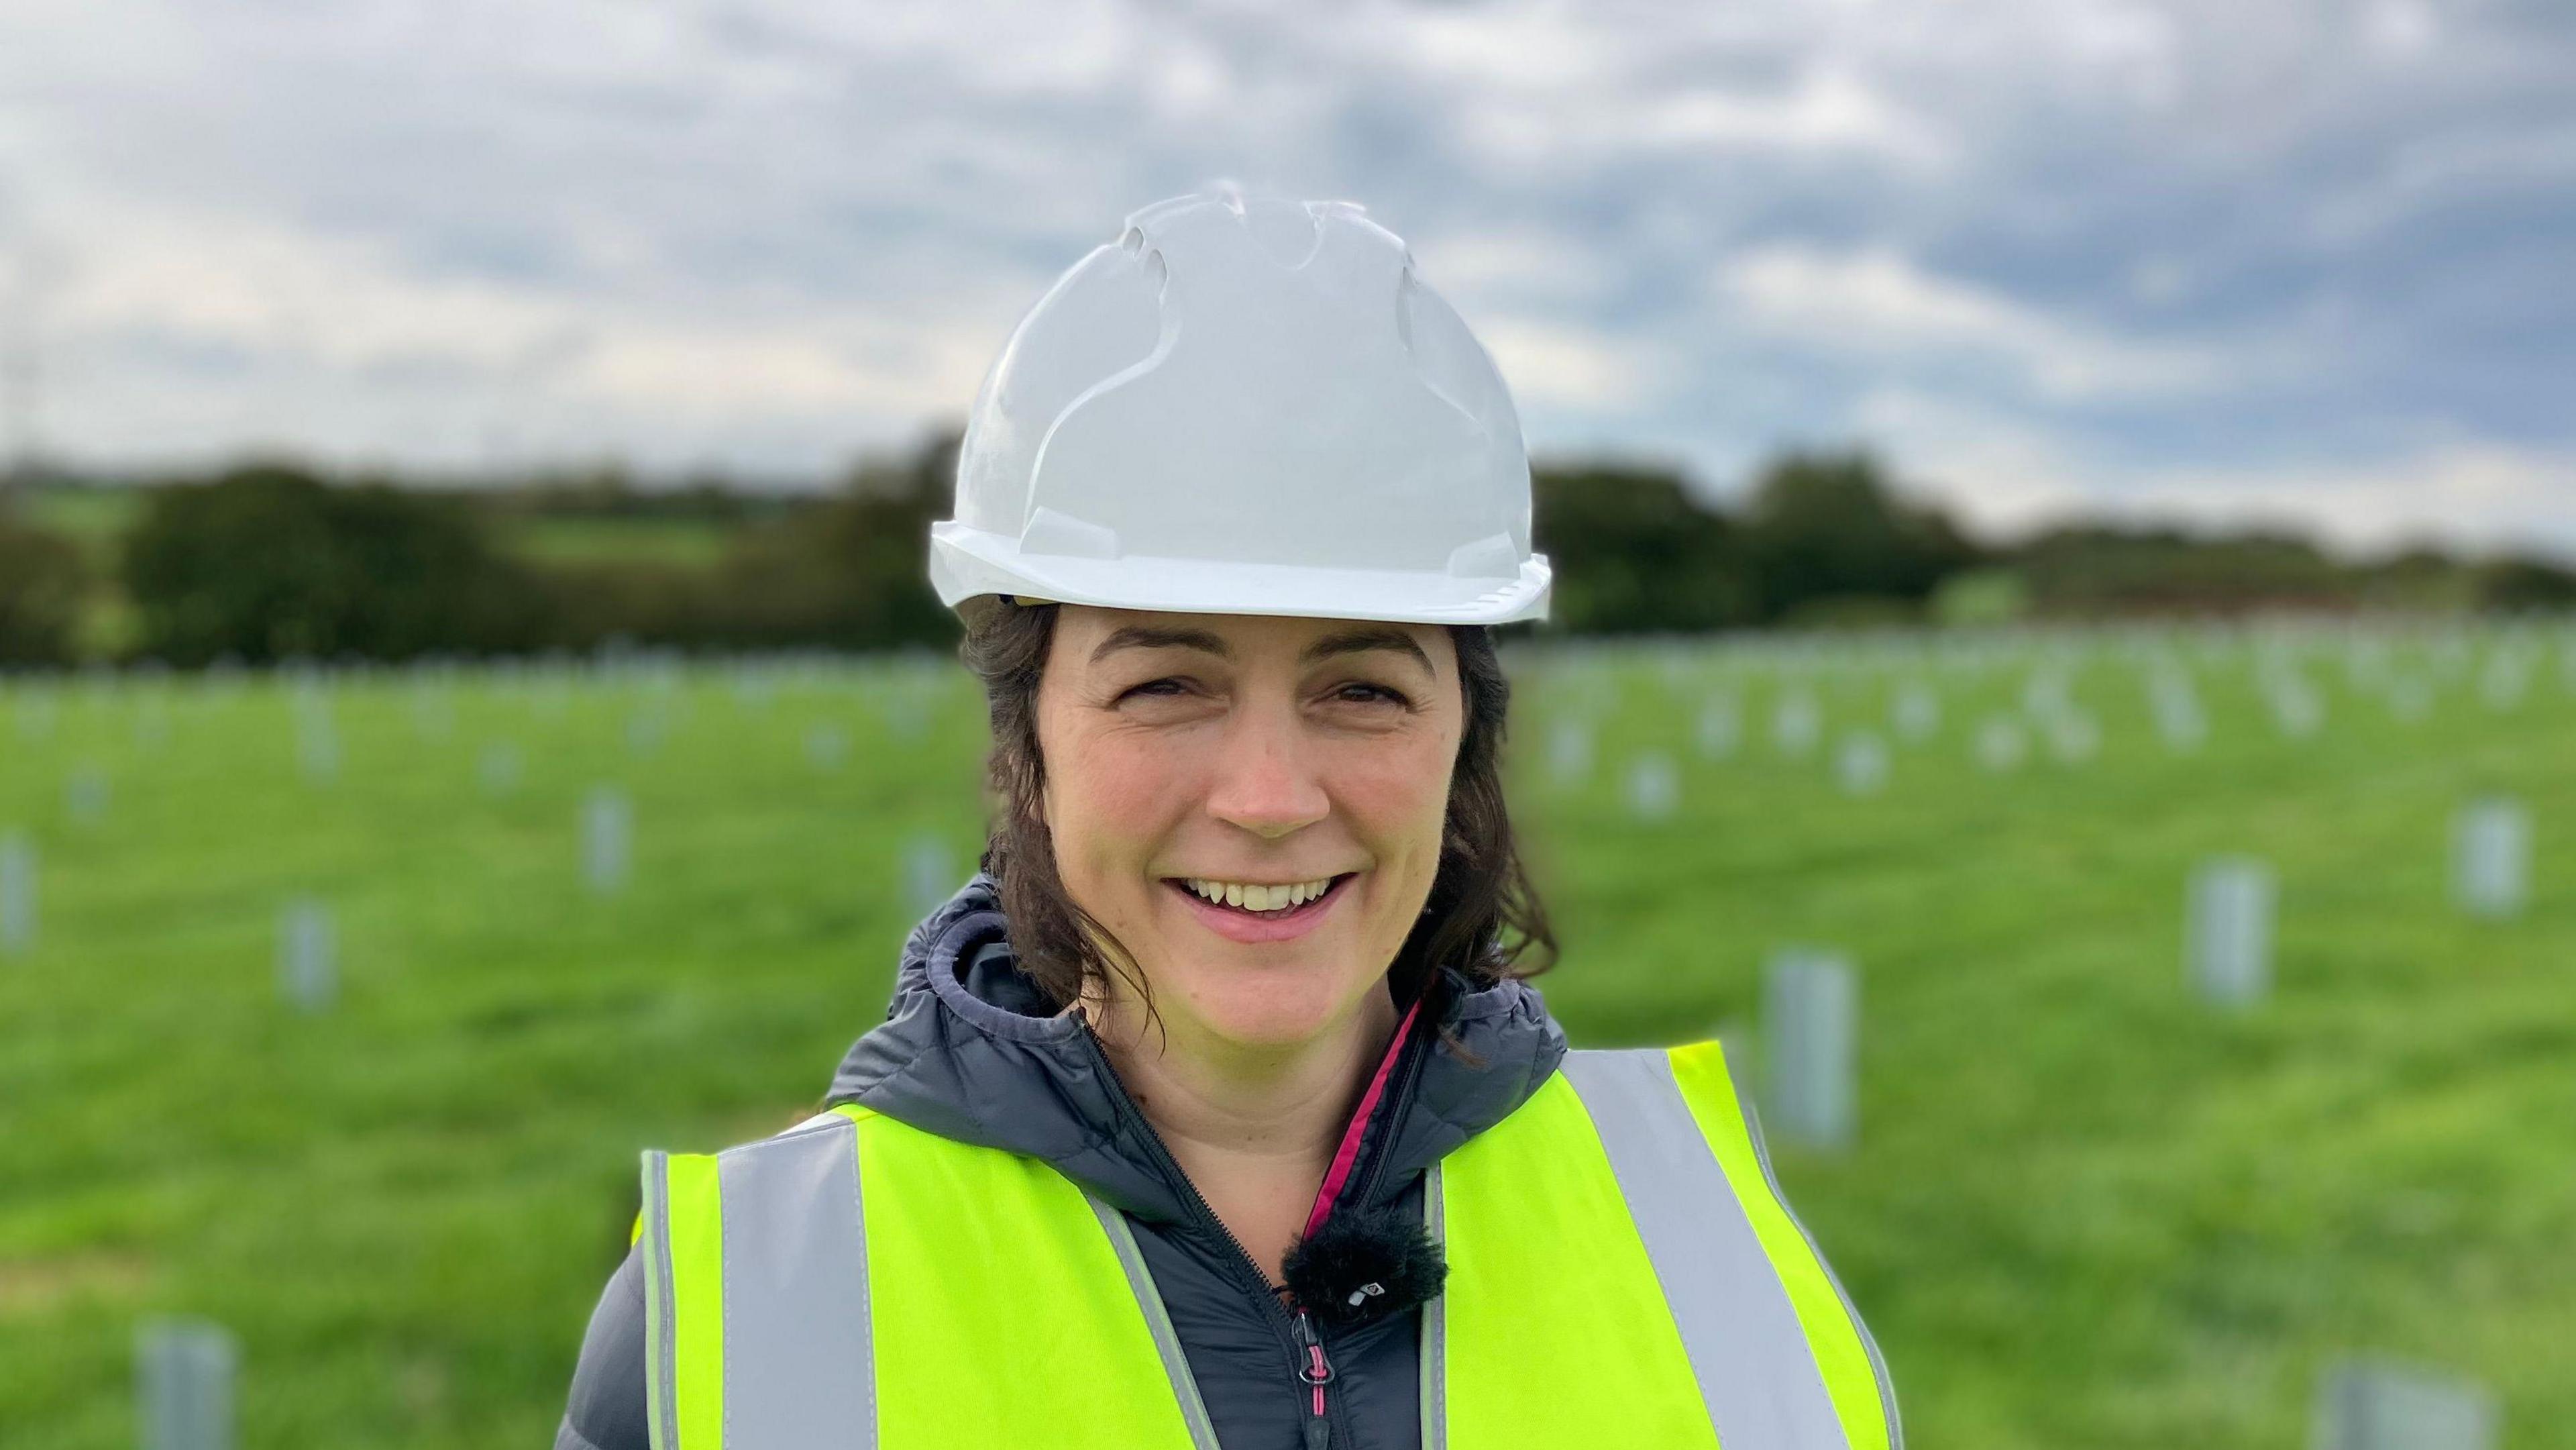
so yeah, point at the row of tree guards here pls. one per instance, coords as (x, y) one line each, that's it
(1803, 1071)
(186, 1374)
(1811, 997)
(1998, 742)
(308, 952)
(2228, 917)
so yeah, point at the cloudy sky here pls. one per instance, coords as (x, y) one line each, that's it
(2206, 259)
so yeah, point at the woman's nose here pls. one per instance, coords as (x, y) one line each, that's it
(1263, 782)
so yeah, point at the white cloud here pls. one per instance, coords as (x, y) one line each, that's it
(2005, 477)
(282, 300)
(1481, 259)
(759, 231)
(1876, 303)
(1826, 114)
(1557, 90)
(2476, 493)
(1830, 108)
(2399, 29)
(1549, 364)
(2000, 474)
(2427, 174)
(257, 286)
(1495, 270)
(1524, 48)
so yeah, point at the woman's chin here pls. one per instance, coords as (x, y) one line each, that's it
(1274, 1007)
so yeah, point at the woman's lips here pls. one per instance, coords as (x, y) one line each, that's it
(1236, 924)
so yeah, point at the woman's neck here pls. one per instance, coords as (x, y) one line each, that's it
(1254, 1128)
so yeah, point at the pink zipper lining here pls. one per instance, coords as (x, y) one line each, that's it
(1345, 1157)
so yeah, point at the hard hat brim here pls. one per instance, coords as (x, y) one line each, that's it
(966, 562)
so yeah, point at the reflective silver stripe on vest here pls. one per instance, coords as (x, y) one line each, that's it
(1435, 1330)
(1167, 1341)
(1746, 1346)
(1877, 1365)
(662, 1370)
(799, 1369)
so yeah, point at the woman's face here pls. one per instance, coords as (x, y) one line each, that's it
(1256, 750)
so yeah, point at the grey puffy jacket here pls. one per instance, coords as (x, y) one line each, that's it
(968, 1051)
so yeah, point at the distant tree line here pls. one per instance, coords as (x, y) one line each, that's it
(42, 581)
(1820, 538)
(1824, 538)
(272, 561)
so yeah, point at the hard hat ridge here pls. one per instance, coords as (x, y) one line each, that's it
(1246, 405)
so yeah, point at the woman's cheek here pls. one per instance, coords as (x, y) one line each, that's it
(1403, 796)
(1135, 788)
(1112, 774)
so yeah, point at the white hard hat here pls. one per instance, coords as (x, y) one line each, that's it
(1246, 406)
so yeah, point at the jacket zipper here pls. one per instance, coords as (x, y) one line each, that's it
(1317, 1372)
(1313, 1369)
(1246, 1271)
(1362, 1189)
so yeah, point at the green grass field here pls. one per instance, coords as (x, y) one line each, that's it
(2085, 1209)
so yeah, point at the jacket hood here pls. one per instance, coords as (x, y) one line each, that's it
(971, 1051)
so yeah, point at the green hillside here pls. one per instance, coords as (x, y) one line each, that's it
(96, 520)
(2085, 1209)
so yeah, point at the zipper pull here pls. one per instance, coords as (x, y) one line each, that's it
(1317, 1371)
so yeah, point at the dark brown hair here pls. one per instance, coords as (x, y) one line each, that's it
(1483, 916)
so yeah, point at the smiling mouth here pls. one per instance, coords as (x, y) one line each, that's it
(1311, 904)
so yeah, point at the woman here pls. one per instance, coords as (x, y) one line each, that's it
(1214, 1112)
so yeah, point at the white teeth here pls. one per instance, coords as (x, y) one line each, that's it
(1256, 897)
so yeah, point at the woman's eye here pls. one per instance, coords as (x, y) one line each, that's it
(1357, 692)
(1369, 691)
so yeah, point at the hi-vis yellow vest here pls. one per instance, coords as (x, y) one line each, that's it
(1622, 1272)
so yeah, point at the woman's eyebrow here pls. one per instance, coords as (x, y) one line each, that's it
(1349, 641)
(1353, 641)
(1148, 636)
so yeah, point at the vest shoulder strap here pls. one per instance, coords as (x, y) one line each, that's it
(769, 1269)
(1624, 1220)
(1862, 1391)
